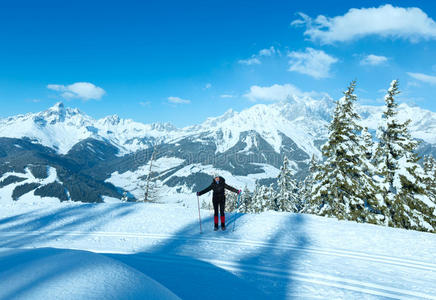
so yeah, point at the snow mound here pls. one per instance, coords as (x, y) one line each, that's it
(50, 273)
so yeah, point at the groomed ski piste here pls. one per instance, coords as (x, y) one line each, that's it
(68, 250)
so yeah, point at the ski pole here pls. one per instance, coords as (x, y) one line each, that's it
(237, 207)
(199, 215)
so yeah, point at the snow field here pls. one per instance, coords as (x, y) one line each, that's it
(269, 255)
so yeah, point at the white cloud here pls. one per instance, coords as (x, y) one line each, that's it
(278, 92)
(254, 60)
(227, 96)
(177, 100)
(373, 60)
(423, 77)
(315, 63)
(268, 51)
(56, 87)
(386, 21)
(80, 90)
(208, 85)
(250, 61)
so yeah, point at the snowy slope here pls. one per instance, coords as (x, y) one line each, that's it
(29, 178)
(269, 256)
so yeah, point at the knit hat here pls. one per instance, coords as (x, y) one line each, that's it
(215, 175)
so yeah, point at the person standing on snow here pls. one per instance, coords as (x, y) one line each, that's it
(218, 199)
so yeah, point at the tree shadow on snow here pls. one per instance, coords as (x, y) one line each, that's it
(174, 267)
(191, 265)
(38, 227)
(24, 230)
(274, 263)
(177, 264)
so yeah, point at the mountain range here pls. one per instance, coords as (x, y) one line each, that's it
(63, 153)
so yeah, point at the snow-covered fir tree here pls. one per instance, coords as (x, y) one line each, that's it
(299, 192)
(372, 195)
(287, 197)
(272, 203)
(321, 195)
(341, 186)
(430, 180)
(246, 199)
(367, 144)
(249, 205)
(256, 203)
(264, 198)
(206, 204)
(404, 200)
(231, 201)
(306, 188)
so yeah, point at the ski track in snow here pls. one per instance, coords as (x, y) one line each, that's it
(283, 260)
(316, 278)
(234, 267)
(414, 264)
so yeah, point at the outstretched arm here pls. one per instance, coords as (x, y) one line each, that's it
(205, 190)
(230, 188)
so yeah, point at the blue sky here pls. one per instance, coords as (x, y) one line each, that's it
(181, 62)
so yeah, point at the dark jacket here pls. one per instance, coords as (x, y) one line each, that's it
(218, 189)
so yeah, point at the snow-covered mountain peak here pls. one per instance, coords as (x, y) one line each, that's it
(114, 121)
(60, 113)
(216, 121)
(298, 108)
(267, 115)
(167, 126)
(58, 107)
(291, 118)
(302, 119)
(61, 127)
(58, 127)
(110, 120)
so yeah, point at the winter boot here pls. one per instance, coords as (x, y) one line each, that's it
(215, 228)
(223, 222)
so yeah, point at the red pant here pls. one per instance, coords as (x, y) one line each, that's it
(221, 203)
